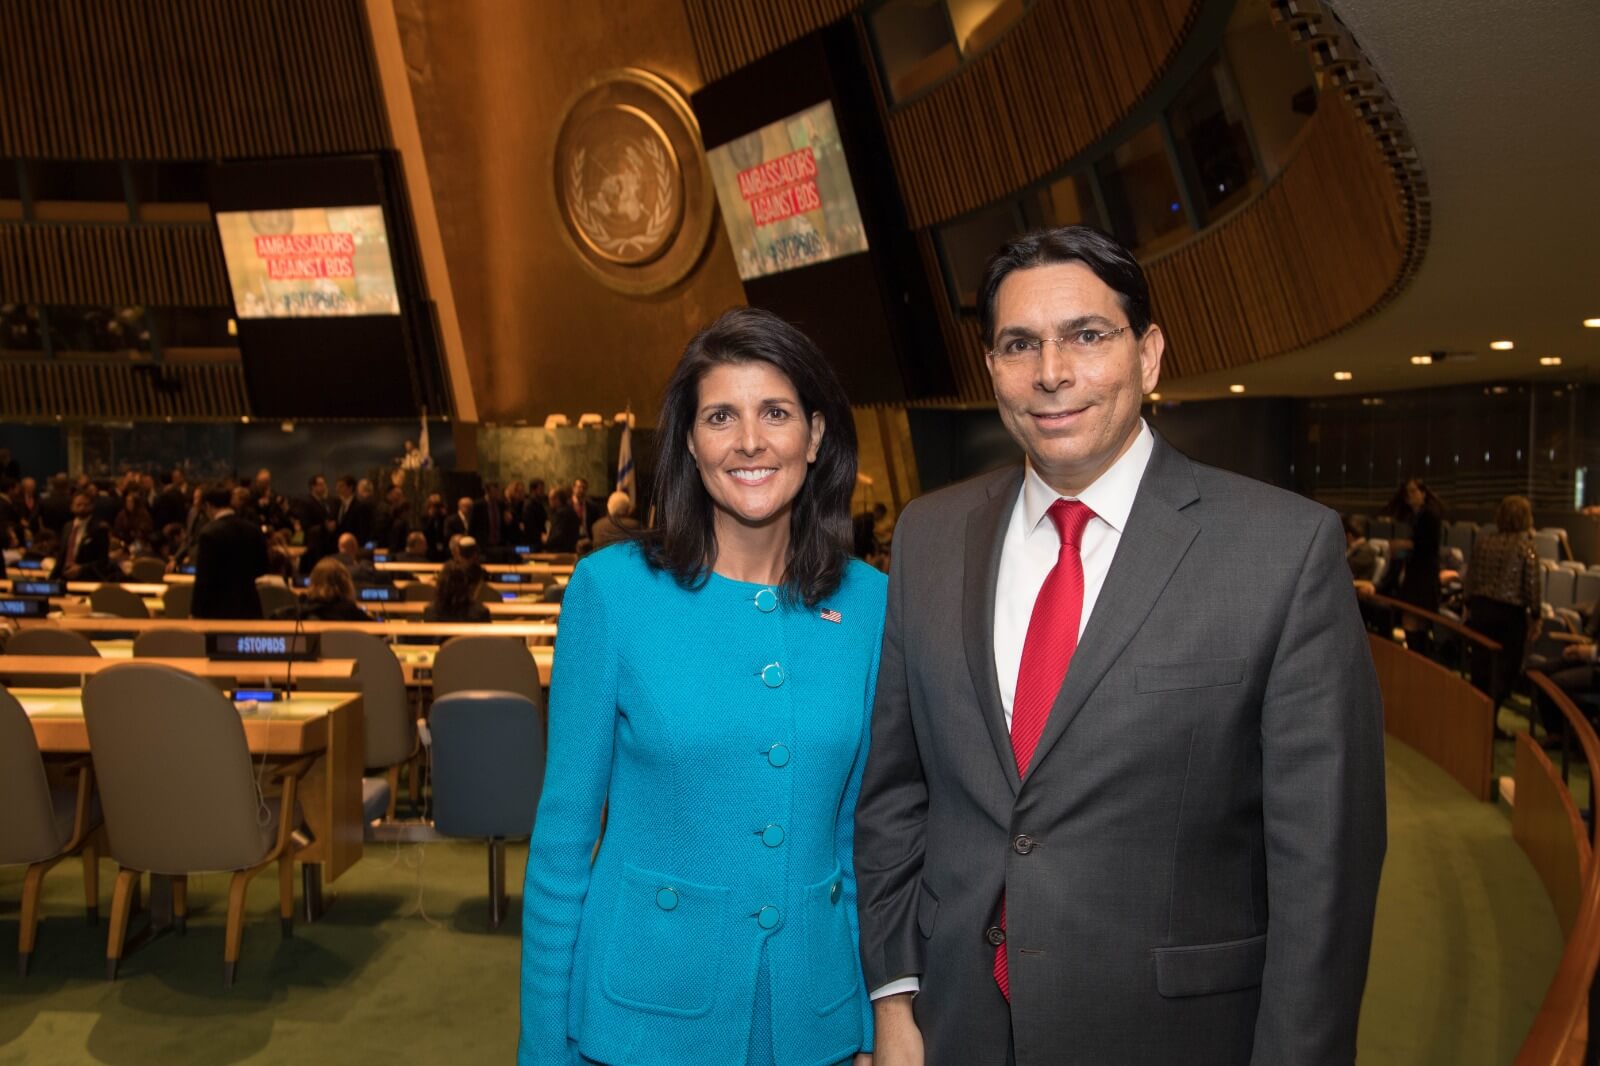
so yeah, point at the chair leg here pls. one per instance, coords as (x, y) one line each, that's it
(414, 781)
(286, 893)
(121, 902)
(91, 881)
(394, 791)
(180, 904)
(28, 927)
(497, 882)
(235, 930)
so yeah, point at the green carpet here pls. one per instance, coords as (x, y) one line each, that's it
(403, 967)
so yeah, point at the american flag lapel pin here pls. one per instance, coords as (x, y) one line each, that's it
(830, 615)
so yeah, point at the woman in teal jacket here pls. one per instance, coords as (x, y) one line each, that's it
(711, 697)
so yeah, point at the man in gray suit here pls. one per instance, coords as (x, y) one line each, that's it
(1124, 800)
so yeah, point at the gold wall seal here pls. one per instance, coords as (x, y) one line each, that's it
(631, 182)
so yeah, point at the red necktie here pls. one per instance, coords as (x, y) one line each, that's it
(1051, 640)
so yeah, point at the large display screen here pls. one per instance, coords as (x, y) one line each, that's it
(315, 262)
(785, 194)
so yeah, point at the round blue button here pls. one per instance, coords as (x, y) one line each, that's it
(766, 601)
(772, 675)
(778, 755)
(772, 836)
(667, 898)
(768, 917)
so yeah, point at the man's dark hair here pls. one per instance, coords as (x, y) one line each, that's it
(1110, 261)
(218, 496)
(684, 539)
(311, 482)
(1356, 526)
(347, 482)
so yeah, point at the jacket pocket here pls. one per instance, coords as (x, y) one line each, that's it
(927, 910)
(1204, 969)
(665, 945)
(831, 952)
(1202, 673)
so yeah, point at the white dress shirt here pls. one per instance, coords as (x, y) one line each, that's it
(1027, 556)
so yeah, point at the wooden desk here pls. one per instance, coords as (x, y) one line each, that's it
(416, 662)
(328, 724)
(503, 609)
(526, 630)
(84, 665)
(547, 569)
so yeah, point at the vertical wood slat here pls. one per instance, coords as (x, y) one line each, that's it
(187, 79)
(131, 265)
(729, 34)
(119, 390)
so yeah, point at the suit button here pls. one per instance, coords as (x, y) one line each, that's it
(772, 836)
(995, 935)
(667, 898)
(834, 892)
(778, 755)
(772, 675)
(768, 917)
(766, 601)
(1022, 844)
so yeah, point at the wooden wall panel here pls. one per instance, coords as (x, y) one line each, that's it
(729, 34)
(186, 79)
(1437, 712)
(1051, 86)
(117, 390)
(112, 265)
(1546, 824)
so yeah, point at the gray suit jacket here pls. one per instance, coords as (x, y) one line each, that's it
(1191, 868)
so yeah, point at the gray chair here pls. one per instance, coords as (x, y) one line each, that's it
(175, 604)
(1560, 587)
(391, 732)
(149, 570)
(1547, 544)
(43, 824)
(274, 598)
(118, 601)
(499, 663)
(416, 592)
(552, 593)
(48, 640)
(170, 644)
(181, 795)
(1587, 593)
(488, 771)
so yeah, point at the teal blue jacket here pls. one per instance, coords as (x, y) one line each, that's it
(724, 733)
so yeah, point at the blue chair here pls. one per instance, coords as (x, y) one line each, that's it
(488, 770)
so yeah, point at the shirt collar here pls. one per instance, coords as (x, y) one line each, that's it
(1110, 496)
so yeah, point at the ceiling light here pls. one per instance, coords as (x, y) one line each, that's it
(1592, 323)
(1235, 388)
(233, 328)
(1342, 375)
(1502, 346)
(1549, 360)
(1422, 360)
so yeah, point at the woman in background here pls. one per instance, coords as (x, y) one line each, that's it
(455, 596)
(331, 596)
(712, 692)
(1415, 559)
(1503, 595)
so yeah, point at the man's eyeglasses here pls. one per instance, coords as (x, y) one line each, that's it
(1081, 342)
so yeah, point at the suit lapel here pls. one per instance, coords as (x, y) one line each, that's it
(1153, 544)
(986, 527)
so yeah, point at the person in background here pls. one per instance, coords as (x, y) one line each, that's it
(716, 922)
(396, 521)
(1503, 596)
(455, 596)
(172, 502)
(489, 520)
(85, 545)
(10, 469)
(564, 524)
(587, 509)
(433, 517)
(459, 524)
(356, 561)
(1359, 554)
(618, 524)
(416, 549)
(516, 508)
(536, 514)
(133, 525)
(331, 596)
(231, 552)
(55, 507)
(1413, 574)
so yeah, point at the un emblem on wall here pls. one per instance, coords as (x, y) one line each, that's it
(631, 184)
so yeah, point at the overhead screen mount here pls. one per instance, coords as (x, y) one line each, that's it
(332, 314)
(800, 160)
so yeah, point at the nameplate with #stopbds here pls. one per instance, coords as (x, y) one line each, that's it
(244, 647)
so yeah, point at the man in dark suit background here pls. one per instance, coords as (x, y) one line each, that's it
(171, 503)
(459, 524)
(489, 520)
(55, 506)
(85, 545)
(536, 514)
(589, 511)
(230, 554)
(1124, 797)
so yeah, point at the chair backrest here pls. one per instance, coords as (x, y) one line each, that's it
(385, 708)
(1547, 544)
(552, 593)
(1461, 535)
(29, 832)
(48, 640)
(170, 644)
(274, 597)
(176, 602)
(148, 569)
(176, 782)
(488, 763)
(1380, 547)
(116, 600)
(1560, 587)
(1587, 591)
(1380, 569)
(500, 663)
(417, 592)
